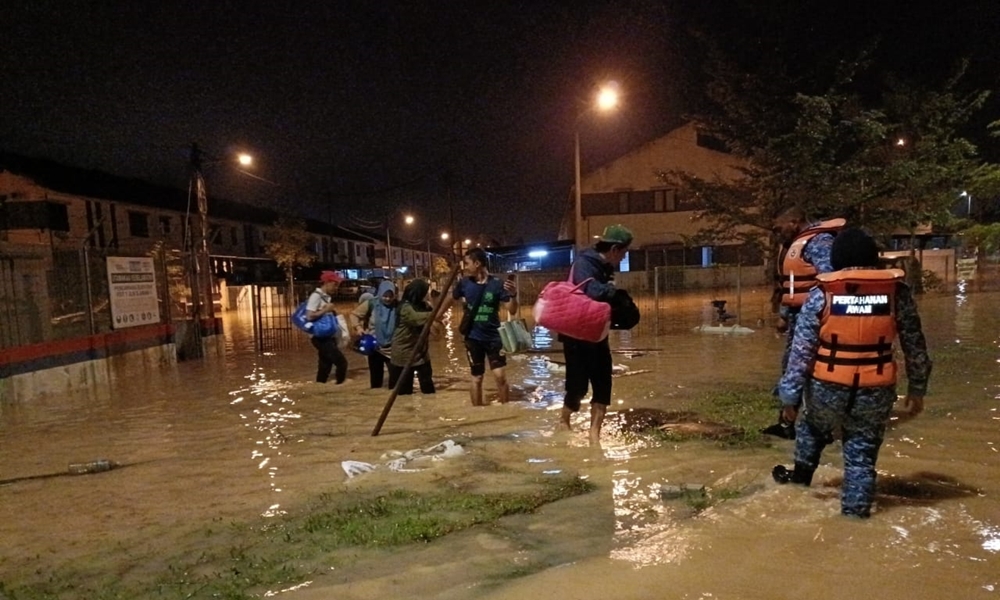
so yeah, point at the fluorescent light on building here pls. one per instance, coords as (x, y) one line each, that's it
(538, 253)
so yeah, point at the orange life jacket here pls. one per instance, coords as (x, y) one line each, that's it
(857, 327)
(797, 275)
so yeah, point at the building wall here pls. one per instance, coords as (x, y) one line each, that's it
(110, 221)
(632, 180)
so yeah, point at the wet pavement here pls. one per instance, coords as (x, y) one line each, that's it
(240, 436)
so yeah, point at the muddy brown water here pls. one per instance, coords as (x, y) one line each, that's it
(240, 436)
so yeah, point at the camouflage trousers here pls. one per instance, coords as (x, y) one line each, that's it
(862, 415)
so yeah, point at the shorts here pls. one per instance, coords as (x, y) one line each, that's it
(479, 351)
(587, 365)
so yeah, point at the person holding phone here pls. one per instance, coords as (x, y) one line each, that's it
(482, 295)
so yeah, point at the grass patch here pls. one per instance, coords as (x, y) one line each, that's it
(700, 501)
(244, 560)
(744, 410)
(403, 517)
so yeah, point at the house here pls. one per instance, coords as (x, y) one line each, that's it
(57, 222)
(630, 191)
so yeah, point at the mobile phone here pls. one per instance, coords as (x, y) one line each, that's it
(511, 276)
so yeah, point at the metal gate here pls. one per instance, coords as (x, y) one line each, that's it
(272, 310)
(10, 325)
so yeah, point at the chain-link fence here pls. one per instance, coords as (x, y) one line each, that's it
(62, 291)
(672, 297)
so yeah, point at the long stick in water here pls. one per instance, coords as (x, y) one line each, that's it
(424, 334)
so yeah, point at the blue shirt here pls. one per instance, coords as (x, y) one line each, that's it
(486, 323)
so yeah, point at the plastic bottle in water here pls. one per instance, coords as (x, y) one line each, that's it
(94, 466)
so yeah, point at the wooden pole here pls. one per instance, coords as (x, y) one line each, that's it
(420, 342)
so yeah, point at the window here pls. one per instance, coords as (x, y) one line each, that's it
(658, 201)
(58, 216)
(36, 215)
(234, 237)
(138, 224)
(711, 142)
(623, 203)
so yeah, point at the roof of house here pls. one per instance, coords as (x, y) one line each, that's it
(96, 184)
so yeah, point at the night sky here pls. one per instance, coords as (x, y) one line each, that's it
(354, 108)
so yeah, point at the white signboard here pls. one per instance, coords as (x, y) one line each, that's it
(966, 268)
(132, 288)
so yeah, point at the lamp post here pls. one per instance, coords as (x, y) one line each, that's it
(408, 219)
(605, 100)
(202, 263)
(968, 203)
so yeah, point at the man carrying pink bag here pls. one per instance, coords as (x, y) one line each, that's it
(588, 362)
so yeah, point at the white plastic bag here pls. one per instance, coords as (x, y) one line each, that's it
(343, 333)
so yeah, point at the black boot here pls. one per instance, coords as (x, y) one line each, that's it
(783, 429)
(801, 474)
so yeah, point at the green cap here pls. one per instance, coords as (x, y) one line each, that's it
(616, 234)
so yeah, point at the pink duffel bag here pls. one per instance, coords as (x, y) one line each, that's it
(564, 308)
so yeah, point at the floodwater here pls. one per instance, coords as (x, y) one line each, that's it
(240, 436)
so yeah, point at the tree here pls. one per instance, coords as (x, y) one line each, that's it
(289, 247)
(790, 135)
(916, 179)
(827, 137)
(439, 267)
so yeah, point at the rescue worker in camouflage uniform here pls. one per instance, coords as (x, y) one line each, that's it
(842, 359)
(806, 253)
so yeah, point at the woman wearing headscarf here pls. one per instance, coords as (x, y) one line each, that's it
(377, 316)
(414, 312)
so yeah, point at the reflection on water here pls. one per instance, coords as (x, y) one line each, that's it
(267, 410)
(240, 435)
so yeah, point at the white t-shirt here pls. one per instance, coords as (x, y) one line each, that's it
(318, 300)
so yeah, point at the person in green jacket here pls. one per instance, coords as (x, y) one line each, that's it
(414, 312)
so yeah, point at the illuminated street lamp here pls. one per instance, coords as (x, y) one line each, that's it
(202, 263)
(408, 219)
(606, 100)
(968, 203)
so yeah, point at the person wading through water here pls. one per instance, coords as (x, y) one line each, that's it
(589, 363)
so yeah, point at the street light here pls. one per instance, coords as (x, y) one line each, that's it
(408, 219)
(968, 203)
(428, 237)
(202, 262)
(605, 101)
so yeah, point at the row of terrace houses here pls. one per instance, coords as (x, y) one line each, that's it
(44, 204)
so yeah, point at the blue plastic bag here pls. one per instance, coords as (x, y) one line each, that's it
(366, 344)
(323, 327)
